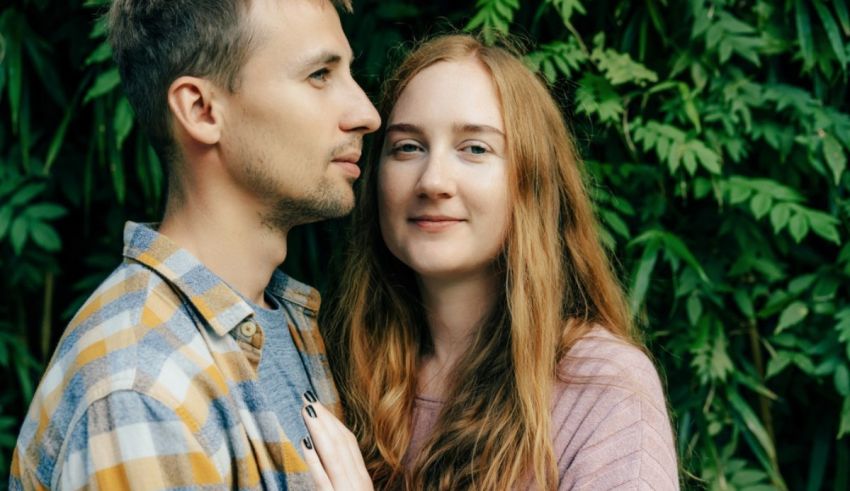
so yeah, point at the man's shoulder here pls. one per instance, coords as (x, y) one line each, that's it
(122, 338)
(134, 334)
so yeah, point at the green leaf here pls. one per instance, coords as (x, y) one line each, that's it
(707, 157)
(12, 31)
(677, 247)
(844, 426)
(99, 26)
(103, 84)
(45, 236)
(123, 122)
(566, 8)
(824, 225)
(792, 315)
(843, 15)
(779, 216)
(619, 68)
(59, 137)
(596, 96)
(18, 234)
(832, 33)
(694, 308)
(116, 169)
(835, 157)
(745, 304)
(615, 222)
(804, 33)
(760, 205)
(739, 194)
(819, 458)
(826, 289)
(5, 220)
(27, 193)
(45, 211)
(798, 227)
(800, 284)
(642, 275)
(755, 427)
(777, 364)
(842, 380)
(748, 478)
(102, 53)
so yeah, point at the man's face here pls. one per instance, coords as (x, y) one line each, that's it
(293, 129)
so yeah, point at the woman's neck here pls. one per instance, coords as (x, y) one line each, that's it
(454, 309)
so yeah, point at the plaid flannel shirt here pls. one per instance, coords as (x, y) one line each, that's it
(154, 384)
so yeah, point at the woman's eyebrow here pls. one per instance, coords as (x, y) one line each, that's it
(457, 127)
(404, 128)
(476, 128)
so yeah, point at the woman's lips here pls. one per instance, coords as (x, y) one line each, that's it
(434, 224)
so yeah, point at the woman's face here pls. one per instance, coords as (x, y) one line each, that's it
(443, 177)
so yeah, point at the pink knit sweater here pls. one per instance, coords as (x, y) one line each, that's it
(610, 424)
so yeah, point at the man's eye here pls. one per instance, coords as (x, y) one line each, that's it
(320, 75)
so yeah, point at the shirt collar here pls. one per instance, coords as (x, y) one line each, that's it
(284, 287)
(212, 298)
(216, 302)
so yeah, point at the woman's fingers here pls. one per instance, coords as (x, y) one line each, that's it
(356, 467)
(336, 449)
(323, 483)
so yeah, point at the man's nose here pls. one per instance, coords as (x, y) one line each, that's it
(362, 116)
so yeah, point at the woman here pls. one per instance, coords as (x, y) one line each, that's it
(479, 336)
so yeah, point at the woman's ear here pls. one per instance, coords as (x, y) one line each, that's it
(195, 112)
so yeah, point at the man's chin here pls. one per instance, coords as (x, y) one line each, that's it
(289, 213)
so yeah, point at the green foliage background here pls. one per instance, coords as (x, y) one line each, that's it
(717, 134)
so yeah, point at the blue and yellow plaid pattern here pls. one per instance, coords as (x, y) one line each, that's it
(154, 384)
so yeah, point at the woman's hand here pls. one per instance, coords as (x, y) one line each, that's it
(331, 451)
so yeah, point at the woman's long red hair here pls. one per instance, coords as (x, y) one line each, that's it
(494, 430)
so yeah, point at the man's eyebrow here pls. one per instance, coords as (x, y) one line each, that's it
(324, 58)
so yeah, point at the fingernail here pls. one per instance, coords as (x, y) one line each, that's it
(311, 411)
(310, 396)
(308, 443)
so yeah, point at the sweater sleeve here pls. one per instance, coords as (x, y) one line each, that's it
(613, 430)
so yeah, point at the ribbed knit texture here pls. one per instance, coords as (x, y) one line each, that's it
(610, 425)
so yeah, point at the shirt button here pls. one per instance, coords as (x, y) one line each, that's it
(248, 329)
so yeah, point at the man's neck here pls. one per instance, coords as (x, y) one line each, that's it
(228, 236)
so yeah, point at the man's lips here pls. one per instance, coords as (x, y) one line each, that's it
(434, 223)
(348, 162)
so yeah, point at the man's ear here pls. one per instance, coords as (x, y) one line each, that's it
(195, 111)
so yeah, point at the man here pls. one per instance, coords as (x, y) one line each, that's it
(185, 369)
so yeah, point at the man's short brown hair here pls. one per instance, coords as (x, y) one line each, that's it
(156, 41)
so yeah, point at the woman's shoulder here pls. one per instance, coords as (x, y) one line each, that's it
(610, 417)
(603, 359)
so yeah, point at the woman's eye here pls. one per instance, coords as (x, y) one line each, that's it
(406, 148)
(476, 149)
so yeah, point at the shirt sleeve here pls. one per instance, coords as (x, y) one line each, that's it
(128, 440)
(629, 440)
